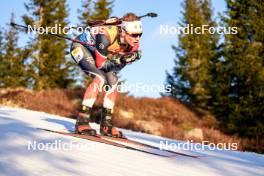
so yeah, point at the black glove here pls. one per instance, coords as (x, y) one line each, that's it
(117, 59)
(131, 57)
(122, 59)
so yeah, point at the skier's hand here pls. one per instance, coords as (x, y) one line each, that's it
(116, 59)
(131, 57)
(125, 58)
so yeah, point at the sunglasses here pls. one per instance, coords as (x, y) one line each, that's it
(135, 35)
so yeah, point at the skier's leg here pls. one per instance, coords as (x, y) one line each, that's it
(95, 86)
(106, 126)
(86, 62)
(110, 92)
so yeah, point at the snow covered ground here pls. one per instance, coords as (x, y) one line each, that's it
(18, 132)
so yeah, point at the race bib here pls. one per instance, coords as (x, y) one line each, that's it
(77, 54)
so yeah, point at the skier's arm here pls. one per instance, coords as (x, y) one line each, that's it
(106, 61)
(101, 52)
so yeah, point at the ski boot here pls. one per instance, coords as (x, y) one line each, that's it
(82, 125)
(106, 126)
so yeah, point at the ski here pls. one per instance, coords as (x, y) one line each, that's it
(98, 138)
(126, 140)
(133, 142)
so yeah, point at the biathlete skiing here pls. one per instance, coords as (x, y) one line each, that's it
(114, 46)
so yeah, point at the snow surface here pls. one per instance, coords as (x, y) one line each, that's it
(18, 131)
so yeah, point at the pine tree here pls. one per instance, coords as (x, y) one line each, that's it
(48, 68)
(241, 87)
(196, 54)
(13, 61)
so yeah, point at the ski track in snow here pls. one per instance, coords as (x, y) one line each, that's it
(18, 128)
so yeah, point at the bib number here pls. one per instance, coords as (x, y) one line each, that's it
(77, 53)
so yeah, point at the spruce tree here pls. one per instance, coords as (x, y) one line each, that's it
(102, 9)
(85, 12)
(97, 10)
(2, 66)
(13, 72)
(1, 42)
(48, 68)
(196, 54)
(241, 89)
